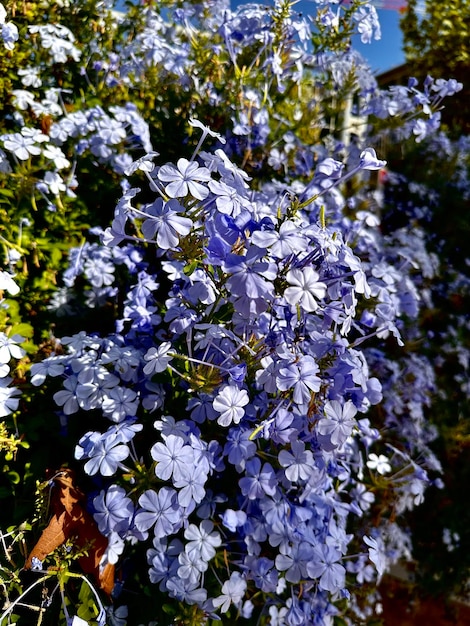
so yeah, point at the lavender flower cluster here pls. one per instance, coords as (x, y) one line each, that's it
(252, 368)
(250, 405)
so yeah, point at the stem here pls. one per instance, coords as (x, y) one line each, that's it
(154, 186)
(268, 421)
(18, 600)
(199, 144)
(338, 182)
(64, 606)
(199, 362)
(99, 604)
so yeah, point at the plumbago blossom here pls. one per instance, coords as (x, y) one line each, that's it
(252, 380)
(8, 31)
(101, 134)
(251, 410)
(10, 352)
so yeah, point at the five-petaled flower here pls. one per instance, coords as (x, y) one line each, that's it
(157, 358)
(186, 178)
(306, 288)
(380, 463)
(229, 402)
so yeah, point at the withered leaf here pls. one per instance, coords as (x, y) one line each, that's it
(71, 521)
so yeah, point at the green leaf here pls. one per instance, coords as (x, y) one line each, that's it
(24, 329)
(86, 608)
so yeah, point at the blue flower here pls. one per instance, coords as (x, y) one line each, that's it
(160, 508)
(263, 572)
(259, 480)
(67, 397)
(228, 199)
(369, 160)
(234, 519)
(239, 446)
(368, 23)
(233, 591)
(376, 553)
(202, 540)
(157, 359)
(113, 510)
(190, 567)
(289, 239)
(338, 423)
(191, 485)
(172, 458)
(325, 566)
(106, 456)
(121, 402)
(295, 562)
(8, 400)
(302, 377)
(186, 591)
(298, 463)
(238, 302)
(8, 31)
(195, 123)
(185, 178)
(9, 348)
(21, 145)
(249, 276)
(117, 616)
(163, 219)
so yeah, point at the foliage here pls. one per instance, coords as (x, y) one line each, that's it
(437, 43)
(228, 342)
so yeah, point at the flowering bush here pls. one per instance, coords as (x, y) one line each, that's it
(425, 196)
(234, 360)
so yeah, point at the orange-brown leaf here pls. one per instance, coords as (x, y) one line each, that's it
(71, 521)
(52, 537)
(65, 495)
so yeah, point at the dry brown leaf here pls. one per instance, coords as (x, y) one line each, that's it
(70, 521)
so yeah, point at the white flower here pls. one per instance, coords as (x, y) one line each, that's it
(30, 77)
(22, 99)
(369, 160)
(8, 284)
(9, 348)
(54, 153)
(306, 288)
(379, 463)
(229, 403)
(233, 590)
